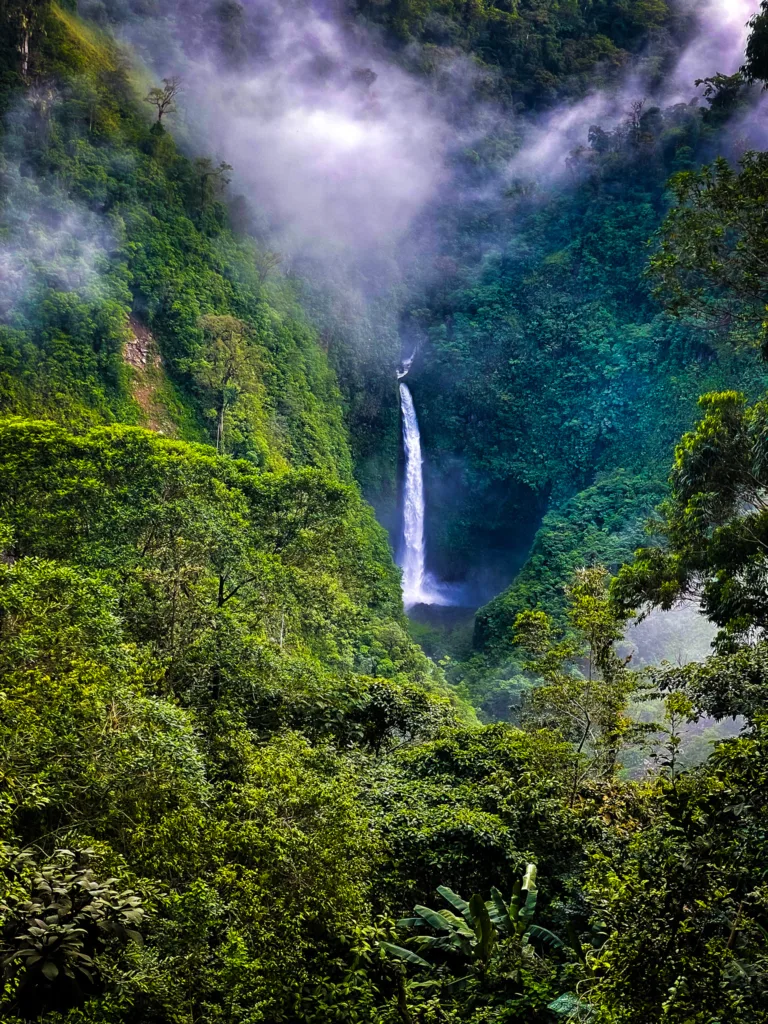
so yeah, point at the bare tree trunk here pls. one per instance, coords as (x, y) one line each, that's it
(24, 48)
(402, 1001)
(576, 766)
(220, 428)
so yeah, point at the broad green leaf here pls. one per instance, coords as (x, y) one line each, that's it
(50, 970)
(529, 908)
(484, 929)
(457, 902)
(546, 936)
(462, 942)
(405, 954)
(458, 983)
(432, 917)
(569, 1005)
(499, 911)
(457, 922)
(514, 903)
(529, 879)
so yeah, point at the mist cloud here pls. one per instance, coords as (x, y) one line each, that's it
(716, 46)
(341, 150)
(47, 239)
(338, 146)
(349, 161)
(679, 635)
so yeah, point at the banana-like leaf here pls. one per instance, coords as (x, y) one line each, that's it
(434, 941)
(514, 903)
(458, 923)
(457, 903)
(405, 954)
(432, 917)
(410, 922)
(499, 911)
(546, 936)
(529, 879)
(484, 929)
(452, 942)
(464, 943)
(529, 907)
(458, 983)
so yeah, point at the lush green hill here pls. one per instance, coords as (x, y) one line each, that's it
(104, 217)
(547, 364)
(227, 772)
(540, 49)
(193, 596)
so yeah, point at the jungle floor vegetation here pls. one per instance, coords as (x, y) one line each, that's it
(233, 789)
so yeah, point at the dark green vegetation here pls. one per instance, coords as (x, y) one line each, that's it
(545, 362)
(539, 49)
(226, 770)
(551, 365)
(555, 373)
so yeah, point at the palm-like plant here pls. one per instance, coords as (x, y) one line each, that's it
(474, 930)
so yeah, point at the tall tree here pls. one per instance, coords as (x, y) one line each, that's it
(226, 368)
(756, 62)
(714, 525)
(585, 683)
(24, 20)
(712, 266)
(164, 98)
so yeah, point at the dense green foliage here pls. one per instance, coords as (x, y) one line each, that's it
(602, 524)
(226, 770)
(166, 612)
(549, 366)
(121, 221)
(714, 523)
(710, 265)
(540, 49)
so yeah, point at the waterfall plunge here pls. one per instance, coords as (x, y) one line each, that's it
(418, 587)
(413, 511)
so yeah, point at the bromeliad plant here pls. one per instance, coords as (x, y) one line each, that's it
(473, 932)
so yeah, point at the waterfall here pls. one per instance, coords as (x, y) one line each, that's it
(413, 511)
(419, 587)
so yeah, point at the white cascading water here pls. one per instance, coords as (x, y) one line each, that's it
(413, 510)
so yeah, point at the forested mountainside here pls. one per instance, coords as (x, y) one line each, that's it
(545, 361)
(233, 788)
